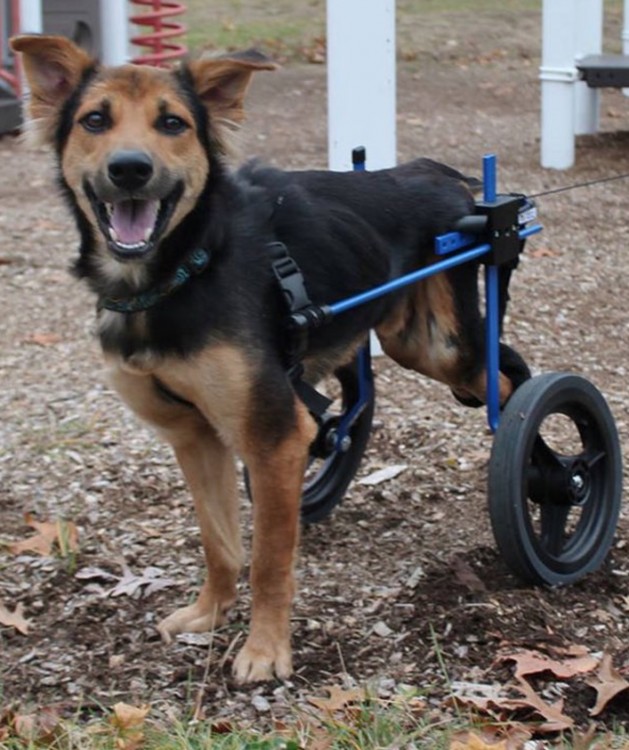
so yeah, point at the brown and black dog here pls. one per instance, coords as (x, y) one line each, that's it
(191, 319)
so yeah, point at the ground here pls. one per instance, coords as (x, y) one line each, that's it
(403, 584)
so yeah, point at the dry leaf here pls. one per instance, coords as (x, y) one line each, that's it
(474, 742)
(14, 619)
(129, 721)
(339, 698)
(42, 339)
(543, 252)
(64, 533)
(383, 475)
(608, 683)
(145, 584)
(555, 719)
(37, 727)
(466, 576)
(534, 662)
(128, 717)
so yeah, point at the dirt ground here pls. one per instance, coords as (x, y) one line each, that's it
(403, 584)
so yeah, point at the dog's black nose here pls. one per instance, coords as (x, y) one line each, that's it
(130, 169)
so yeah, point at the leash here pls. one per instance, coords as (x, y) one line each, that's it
(576, 185)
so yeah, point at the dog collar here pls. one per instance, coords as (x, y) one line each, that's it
(196, 262)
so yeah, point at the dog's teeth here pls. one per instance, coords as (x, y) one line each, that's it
(147, 234)
(113, 234)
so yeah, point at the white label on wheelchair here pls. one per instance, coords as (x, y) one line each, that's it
(527, 215)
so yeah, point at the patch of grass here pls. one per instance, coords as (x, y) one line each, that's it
(372, 724)
(285, 28)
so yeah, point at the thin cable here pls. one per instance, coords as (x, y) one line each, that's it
(579, 185)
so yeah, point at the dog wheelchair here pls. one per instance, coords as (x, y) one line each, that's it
(553, 511)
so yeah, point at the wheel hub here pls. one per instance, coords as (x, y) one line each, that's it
(578, 482)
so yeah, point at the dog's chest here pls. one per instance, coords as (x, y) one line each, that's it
(125, 336)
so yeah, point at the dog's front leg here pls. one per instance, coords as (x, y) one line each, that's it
(209, 469)
(211, 476)
(276, 475)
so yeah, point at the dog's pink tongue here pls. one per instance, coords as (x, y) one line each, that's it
(133, 220)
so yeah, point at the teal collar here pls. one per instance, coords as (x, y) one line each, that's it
(196, 262)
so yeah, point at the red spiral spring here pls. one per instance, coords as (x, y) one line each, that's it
(161, 49)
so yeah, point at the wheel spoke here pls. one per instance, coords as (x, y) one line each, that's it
(591, 458)
(544, 458)
(553, 534)
(546, 478)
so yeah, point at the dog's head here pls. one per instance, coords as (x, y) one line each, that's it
(135, 143)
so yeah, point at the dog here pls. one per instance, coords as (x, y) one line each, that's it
(176, 248)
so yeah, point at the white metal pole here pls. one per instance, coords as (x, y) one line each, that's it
(114, 24)
(31, 17)
(588, 41)
(361, 81)
(558, 75)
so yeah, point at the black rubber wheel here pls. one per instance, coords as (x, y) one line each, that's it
(555, 479)
(331, 469)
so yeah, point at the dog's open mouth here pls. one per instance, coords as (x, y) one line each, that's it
(132, 226)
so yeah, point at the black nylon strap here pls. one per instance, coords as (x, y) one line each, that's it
(293, 288)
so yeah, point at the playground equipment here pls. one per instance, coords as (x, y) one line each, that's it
(572, 73)
(161, 48)
(99, 26)
(554, 496)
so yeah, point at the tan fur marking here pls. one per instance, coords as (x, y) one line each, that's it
(420, 332)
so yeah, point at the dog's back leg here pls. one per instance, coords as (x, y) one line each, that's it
(437, 330)
(209, 469)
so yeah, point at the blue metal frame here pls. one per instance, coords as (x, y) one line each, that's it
(445, 244)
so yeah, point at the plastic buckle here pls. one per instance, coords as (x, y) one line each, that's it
(289, 277)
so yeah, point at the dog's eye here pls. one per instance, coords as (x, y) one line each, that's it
(171, 124)
(95, 122)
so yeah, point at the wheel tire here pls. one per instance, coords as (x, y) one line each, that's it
(533, 489)
(326, 487)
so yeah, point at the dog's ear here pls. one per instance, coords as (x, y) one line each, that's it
(222, 82)
(53, 66)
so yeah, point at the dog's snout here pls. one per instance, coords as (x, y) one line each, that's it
(130, 169)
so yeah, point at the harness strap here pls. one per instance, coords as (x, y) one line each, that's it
(302, 315)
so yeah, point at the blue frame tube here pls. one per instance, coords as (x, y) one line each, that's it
(492, 310)
(410, 278)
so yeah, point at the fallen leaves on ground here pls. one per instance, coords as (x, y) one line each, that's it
(500, 702)
(128, 722)
(40, 726)
(608, 683)
(555, 720)
(14, 619)
(42, 339)
(48, 533)
(129, 584)
(534, 662)
(339, 698)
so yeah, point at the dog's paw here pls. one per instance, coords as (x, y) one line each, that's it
(192, 619)
(258, 661)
